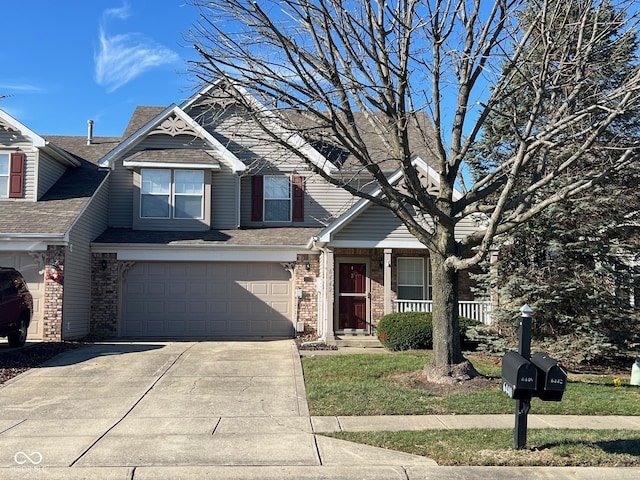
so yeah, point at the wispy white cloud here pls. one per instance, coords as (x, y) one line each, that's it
(121, 13)
(20, 87)
(123, 57)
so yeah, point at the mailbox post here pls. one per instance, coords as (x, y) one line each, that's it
(523, 405)
(525, 376)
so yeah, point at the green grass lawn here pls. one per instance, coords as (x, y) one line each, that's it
(364, 385)
(548, 447)
(367, 385)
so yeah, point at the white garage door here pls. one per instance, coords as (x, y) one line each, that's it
(178, 299)
(30, 270)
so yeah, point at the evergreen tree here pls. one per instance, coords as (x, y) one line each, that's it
(574, 263)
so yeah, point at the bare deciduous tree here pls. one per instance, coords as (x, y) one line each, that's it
(458, 63)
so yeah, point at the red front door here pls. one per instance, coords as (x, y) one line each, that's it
(352, 296)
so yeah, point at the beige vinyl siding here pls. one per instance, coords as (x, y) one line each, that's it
(377, 224)
(77, 277)
(121, 203)
(12, 141)
(246, 140)
(323, 202)
(120, 196)
(49, 171)
(224, 199)
(160, 141)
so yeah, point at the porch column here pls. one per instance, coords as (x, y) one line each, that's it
(386, 267)
(329, 294)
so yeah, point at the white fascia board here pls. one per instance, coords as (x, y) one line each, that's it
(142, 164)
(236, 165)
(387, 243)
(37, 140)
(292, 138)
(430, 171)
(23, 246)
(32, 241)
(355, 210)
(107, 160)
(201, 255)
(200, 93)
(61, 154)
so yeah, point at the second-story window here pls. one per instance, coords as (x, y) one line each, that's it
(277, 198)
(4, 175)
(166, 193)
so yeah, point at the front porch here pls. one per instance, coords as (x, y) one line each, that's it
(365, 284)
(476, 310)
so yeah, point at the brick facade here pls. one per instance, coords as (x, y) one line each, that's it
(305, 276)
(105, 288)
(376, 259)
(53, 294)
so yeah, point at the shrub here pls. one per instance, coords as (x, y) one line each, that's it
(414, 330)
(405, 331)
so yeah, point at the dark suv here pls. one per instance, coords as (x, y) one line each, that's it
(16, 307)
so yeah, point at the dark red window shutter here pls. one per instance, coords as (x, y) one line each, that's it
(257, 189)
(16, 175)
(298, 198)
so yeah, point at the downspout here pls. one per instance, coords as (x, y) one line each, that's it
(315, 245)
(238, 197)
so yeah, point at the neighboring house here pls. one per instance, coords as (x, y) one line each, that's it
(195, 226)
(53, 202)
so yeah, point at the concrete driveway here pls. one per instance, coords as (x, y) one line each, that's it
(125, 409)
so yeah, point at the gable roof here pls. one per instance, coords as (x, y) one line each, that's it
(276, 124)
(328, 233)
(140, 134)
(9, 123)
(51, 217)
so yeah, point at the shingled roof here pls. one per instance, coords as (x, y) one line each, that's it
(56, 211)
(419, 137)
(290, 236)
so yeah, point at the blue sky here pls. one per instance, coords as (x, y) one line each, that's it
(68, 61)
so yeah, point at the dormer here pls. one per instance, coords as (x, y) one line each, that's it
(29, 164)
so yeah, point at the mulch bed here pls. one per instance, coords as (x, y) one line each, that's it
(309, 342)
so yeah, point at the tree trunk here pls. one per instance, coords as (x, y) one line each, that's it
(448, 365)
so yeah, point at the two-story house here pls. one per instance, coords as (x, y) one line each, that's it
(202, 227)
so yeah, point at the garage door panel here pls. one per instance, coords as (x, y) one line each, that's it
(259, 288)
(177, 307)
(155, 307)
(213, 299)
(156, 269)
(34, 276)
(281, 307)
(134, 288)
(134, 307)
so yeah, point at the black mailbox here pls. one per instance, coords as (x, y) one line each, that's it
(519, 376)
(552, 378)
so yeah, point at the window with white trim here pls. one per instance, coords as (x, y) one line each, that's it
(166, 193)
(412, 273)
(4, 175)
(277, 198)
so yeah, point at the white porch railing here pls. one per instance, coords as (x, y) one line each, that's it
(480, 311)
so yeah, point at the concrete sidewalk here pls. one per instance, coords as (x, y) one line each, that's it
(182, 410)
(451, 422)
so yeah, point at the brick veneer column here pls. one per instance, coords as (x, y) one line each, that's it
(306, 309)
(53, 295)
(104, 295)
